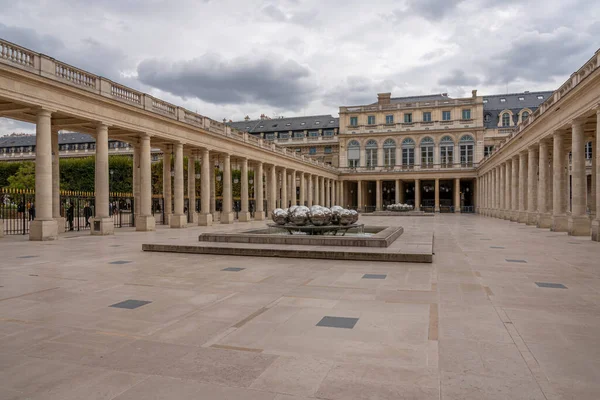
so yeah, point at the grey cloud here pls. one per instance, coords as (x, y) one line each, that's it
(432, 9)
(457, 77)
(539, 57)
(240, 80)
(91, 55)
(357, 90)
(274, 12)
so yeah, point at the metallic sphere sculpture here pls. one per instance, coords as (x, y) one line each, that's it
(318, 216)
(300, 216)
(279, 216)
(354, 214)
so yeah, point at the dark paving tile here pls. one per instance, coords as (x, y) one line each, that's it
(516, 261)
(338, 322)
(116, 245)
(233, 269)
(119, 262)
(496, 247)
(551, 285)
(374, 276)
(28, 257)
(131, 304)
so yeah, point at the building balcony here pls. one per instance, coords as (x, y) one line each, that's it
(412, 126)
(410, 168)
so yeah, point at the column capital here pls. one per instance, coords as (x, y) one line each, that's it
(45, 112)
(579, 121)
(101, 124)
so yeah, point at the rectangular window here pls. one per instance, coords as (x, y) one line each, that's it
(313, 134)
(446, 116)
(312, 150)
(427, 117)
(284, 135)
(407, 118)
(353, 121)
(371, 120)
(488, 150)
(389, 119)
(588, 151)
(298, 150)
(328, 132)
(269, 136)
(466, 114)
(426, 156)
(327, 149)
(299, 135)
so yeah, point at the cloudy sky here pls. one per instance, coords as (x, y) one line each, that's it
(231, 58)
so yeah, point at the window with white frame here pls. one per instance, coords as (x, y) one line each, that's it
(371, 153)
(505, 119)
(353, 154)
(446, 152)
(408, 152)
(427, 147)
(466, 144)
(389, 153)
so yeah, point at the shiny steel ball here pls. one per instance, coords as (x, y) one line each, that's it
(300, 216)
(346, 217)
(354, 216)
(279, 216)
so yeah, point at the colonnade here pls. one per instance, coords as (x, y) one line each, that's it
(278, 185)
(546, 184)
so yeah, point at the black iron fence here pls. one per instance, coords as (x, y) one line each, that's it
(17, 210)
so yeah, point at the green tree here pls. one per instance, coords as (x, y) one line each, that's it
(24, 178)
(8, 169)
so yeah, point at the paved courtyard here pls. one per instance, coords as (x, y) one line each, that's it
(505, 311)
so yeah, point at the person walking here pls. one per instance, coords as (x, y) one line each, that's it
(70, 215)
(87, 214)
(32, 211)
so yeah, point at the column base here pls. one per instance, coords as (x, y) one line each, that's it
(167, 218)
(227, 217)
(194, 218)
(579, 226)
(514, 216)
(522, 217)
(457, 210)
(178, 221)
(532, 218)
(436, 209)
(1, 228)
(544, 221)
(244, 216)
(259, 215)
(560, 223)
(205, 219)
(43, 230)
(102, 226)
(596, 230)
(60, 224)
(145, 223)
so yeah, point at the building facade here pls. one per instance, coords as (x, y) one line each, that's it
(312, 136)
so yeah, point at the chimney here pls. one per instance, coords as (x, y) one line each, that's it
(474, 93)
(384, 98)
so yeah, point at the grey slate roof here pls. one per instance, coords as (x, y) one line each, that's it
(412, 99)
(29, 140)
(493, 105)
(311, 122)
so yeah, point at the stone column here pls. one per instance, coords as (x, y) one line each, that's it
(178, 219)
(293, 188)
(167, 184)
(378, 195)
(244, 215)
(508, 189)
(343, 202)
(322, 191)
(397, 191)
(145, 221)
(60, 221)
(213, 189)
(205, 218)
(417, 194)
(327, 192)
(192, 187)
(532, 184)
(359, 199)
(103, 223)
(136, 180)
(523, 173)
(514, 215)
(401, 195)
(457, 195)
(259, 214)
(310, 190)
(44, 227)
(559, 204)
(596, 155)
(227, 216)
(493, 186)
(593, 199)
(544, 219)
(578, 223)
(316, 187)
(501, 189)
(437, 195)
(284, 189)
(302, 189)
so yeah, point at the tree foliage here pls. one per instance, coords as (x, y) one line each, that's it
(24, 178)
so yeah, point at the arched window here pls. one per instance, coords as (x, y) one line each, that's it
(371, 153)
(353, 154)
(427, 152)
(389, 153)
(446, 152)
(506, 119)
(408, 153)
(466, 144)
(524, 115)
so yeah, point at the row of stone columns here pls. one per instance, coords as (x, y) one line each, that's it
(399, 198)
(534, 184)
